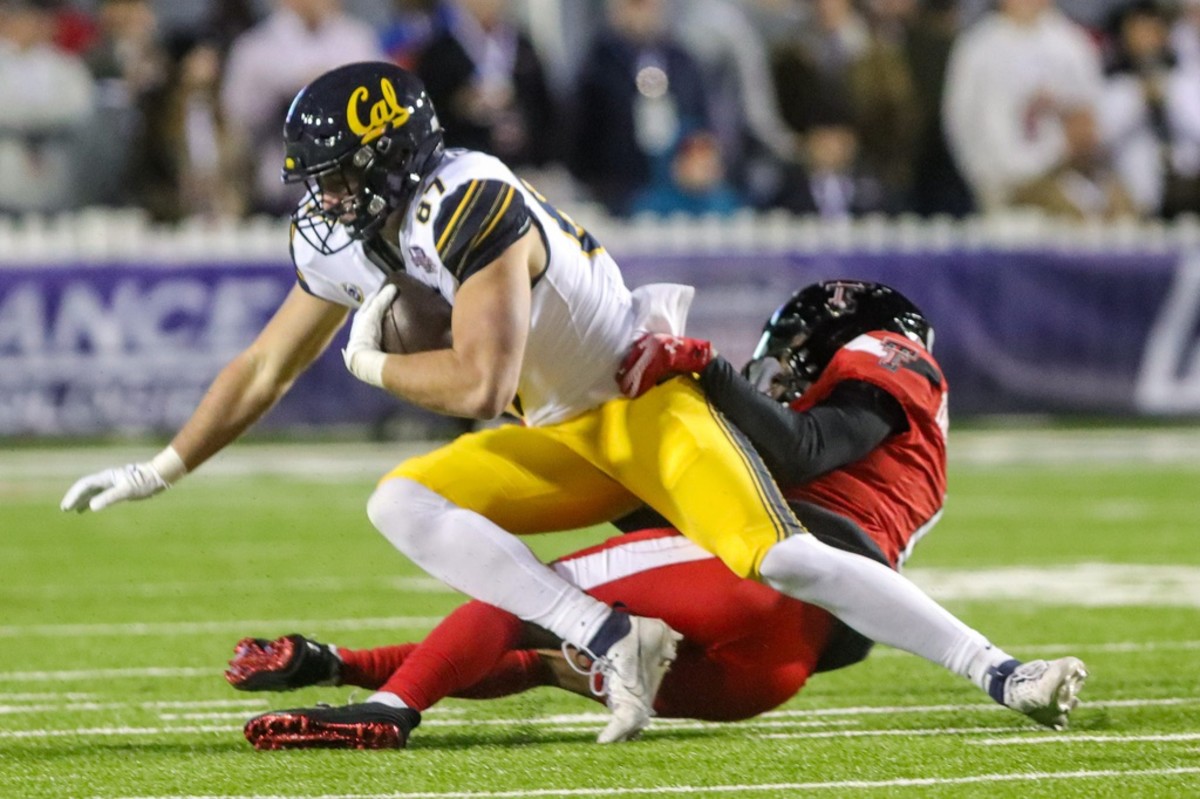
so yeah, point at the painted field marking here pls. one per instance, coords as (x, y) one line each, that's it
(440, 716)
(1074, 585)
(329, 462)
(140, 673)
(700, 790)
(117, 731)
(170, 672)
(1017, 736)
(232, 627)
(86, 707)
(1087, 738)
(42, 696)
(789, 719)
(177, 588)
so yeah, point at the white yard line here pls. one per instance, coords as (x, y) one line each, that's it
(105, 732)
(243, 626)
(89, 707)
(174, 672)
(1080, 584)
(1018, 737)
(41, 696)
(437, 717)
(1075, 585)
(139, 673)
(353, 462)
(1073, 738)
(701, 790)
(208, 588)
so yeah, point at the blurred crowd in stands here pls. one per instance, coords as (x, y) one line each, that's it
(828, 107)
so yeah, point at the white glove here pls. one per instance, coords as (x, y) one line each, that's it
(362, 354)
(132, 481)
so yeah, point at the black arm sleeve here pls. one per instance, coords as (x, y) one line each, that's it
(854, 419)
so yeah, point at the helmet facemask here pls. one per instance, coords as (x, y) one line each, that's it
(353, 192)
(773, 370)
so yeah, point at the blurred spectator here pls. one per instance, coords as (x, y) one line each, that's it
(694, 182)
(45, 102)
(1083, 187)
(777, 21)
(1151, 112)
(1185, 34)
(127, 50)
(834, 182)
(839, 55)
(225, 22)
(74, 29)
(924, 32)
(414, 23)
(638, 90)
(1012, 79)
(186, 165)
(129, 65)
(755, 142)
(486, 81)
(267, 65)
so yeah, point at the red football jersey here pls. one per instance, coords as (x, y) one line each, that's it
(896, 492)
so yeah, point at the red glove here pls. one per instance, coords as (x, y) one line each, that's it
(656, 356)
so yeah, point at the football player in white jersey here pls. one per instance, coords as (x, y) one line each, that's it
(541, 321)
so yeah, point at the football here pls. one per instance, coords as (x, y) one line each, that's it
(419, 319)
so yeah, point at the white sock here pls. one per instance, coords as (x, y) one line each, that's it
(387, 698)
(880, 604)
(470, 553)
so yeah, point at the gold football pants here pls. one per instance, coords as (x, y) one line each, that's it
(669, 449)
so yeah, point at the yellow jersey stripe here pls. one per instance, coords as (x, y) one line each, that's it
(495, 216)
(448, 234)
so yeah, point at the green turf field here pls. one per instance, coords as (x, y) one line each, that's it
(115, 629)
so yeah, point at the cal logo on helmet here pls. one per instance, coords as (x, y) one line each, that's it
(384, 111)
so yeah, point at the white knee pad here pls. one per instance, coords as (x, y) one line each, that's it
(802, 567)
(470, 553)
(402, 510)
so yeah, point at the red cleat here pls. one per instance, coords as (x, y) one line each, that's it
(284, 664)
(372, 725)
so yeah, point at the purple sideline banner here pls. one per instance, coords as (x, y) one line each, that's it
(130, 348)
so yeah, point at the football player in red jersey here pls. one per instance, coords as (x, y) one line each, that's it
(847, 407)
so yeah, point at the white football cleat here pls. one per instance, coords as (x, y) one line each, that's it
(1046, 691)
(632, 669)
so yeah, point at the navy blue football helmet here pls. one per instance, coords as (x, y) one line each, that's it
(802, 335)
(361, 137)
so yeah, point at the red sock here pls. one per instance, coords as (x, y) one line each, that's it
(371, 668)
(516, 671)
(456, 655)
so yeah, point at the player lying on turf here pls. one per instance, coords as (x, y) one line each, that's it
(746, 649)
(851, 419)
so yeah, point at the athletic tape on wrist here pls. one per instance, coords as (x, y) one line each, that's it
(368, 366)
(169, 465)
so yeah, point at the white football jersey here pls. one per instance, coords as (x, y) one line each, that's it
(583, 317)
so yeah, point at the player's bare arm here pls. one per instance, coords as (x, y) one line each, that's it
(245, 389)
(477, 377)
(250, 385)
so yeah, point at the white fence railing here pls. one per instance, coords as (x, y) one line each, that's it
(106, 236)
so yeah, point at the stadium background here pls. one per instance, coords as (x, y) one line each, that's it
(1069, 340)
